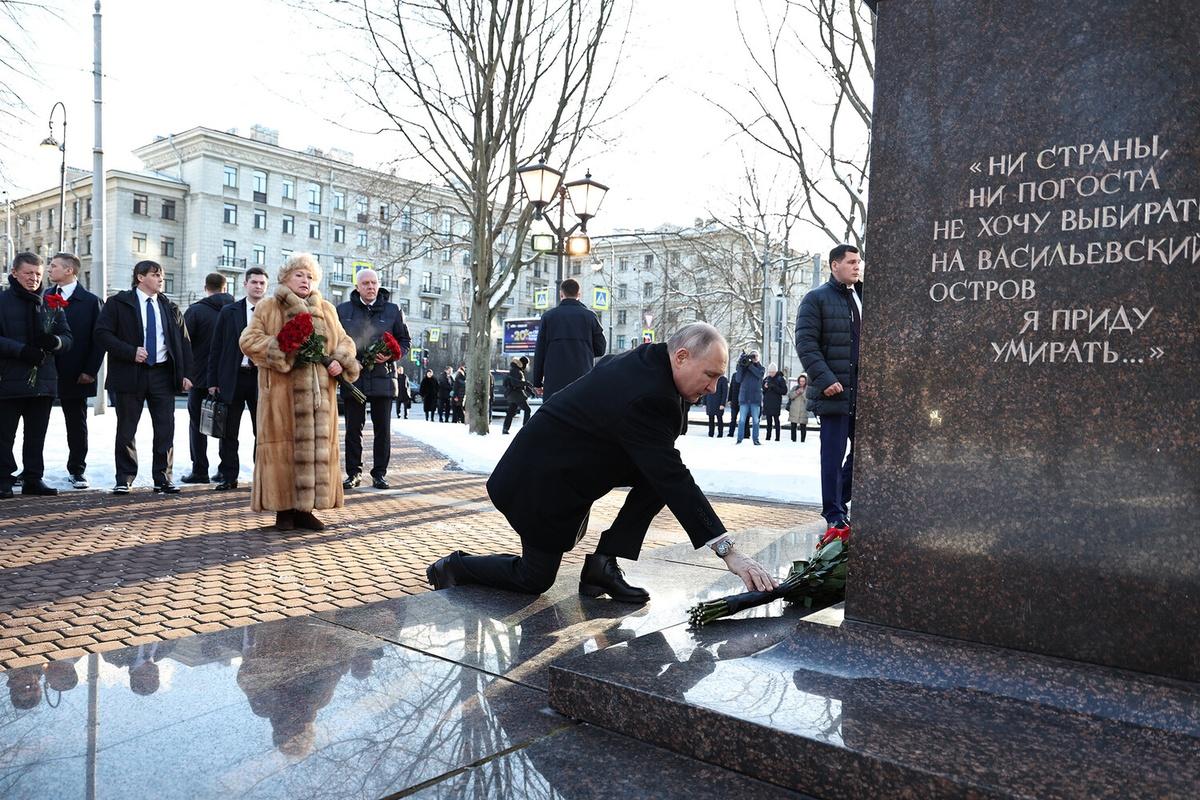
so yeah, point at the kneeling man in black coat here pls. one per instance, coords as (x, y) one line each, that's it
(615, 426)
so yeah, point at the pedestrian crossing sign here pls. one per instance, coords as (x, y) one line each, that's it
(433, 334)
(647, 335)
(541, 298)
(600, 298)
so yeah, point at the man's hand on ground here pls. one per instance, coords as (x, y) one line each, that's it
(753, 574)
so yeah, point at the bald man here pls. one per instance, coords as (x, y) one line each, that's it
(366, 316)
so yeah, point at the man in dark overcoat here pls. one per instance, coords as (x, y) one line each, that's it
(201, 320)
(366, 316)
(569, 340)
(714, 404)
(77, 367)
(149, 359)
(616, 426)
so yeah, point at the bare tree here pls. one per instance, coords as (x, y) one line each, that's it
(830, 150)
(15, 69)
(476, 90)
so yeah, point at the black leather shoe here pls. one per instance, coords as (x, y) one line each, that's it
(166, 488)
(380, 483)
(5, 492)
(38, 488)
(444, 573)
(352, 482)
(79, 482)
(225, 486)
(601, 575)
(121, 488)
(192, 477)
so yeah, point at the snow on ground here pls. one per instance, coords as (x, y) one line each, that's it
(773, 471)
(781, 471)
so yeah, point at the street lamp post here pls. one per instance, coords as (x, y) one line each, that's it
(9, 245)
(544, 186)
(50, 141)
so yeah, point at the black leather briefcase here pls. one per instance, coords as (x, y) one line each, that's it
(212, 418)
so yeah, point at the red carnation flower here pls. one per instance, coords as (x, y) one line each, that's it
(393, 345)
(55, 302)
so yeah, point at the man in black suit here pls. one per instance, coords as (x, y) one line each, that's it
(78, 366)
(201, 321)
(149, 358)
(616, 426)
(569, 340)
(232, 377)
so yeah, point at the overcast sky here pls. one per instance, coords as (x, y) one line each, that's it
(223, 64)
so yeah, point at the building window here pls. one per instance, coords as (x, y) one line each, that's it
(168, 209)
(621, 317)
(406, 246)
(167, 247)
(50, 219)
(648, 261)
(289, 224)
(87, 245)
(37, 220)
(339, 200)
(447, 223)
(169, 283)
(383, 213)
(339, 234)
(260, 219)
(87, 214)
(228, 252)
(141, 206)
(445, 311)
(622, 291)
(289, 189)
(258, 180)
(406, 276)
(404, 306)
(623, 264)
(446, 254)
(339, 265)
(426, 309)
(314, 229)
(647, 289)
(231, 176)
(385, 242)
(576, 266)
(362, 238)
(314, 198)
(406, 219)
(426, 281)
(260, 254)
(285, 254)
(230, 214)
(447, 282)
(621, 342)
(139, 243)
(361, 207)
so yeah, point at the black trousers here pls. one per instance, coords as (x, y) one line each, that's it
(534, 571)
(457, 413)
(430, 410)
(519, 404)
(733, 417)
(803, 430)
(197, 441)
(443, 409)
(773, 422)
(36, 413)
(245, 396)
(716, 422)
(74, 411)
(381, 424)
(158, 394)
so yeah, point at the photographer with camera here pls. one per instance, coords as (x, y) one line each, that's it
(749, 376)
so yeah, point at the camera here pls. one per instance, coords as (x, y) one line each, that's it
(744, 359)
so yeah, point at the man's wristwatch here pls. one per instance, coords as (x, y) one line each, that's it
(723, 547)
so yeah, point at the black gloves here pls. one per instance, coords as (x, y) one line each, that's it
(32, 355)
(46, 341)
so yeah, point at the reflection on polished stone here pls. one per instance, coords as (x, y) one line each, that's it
(774, 548)
(908, 711)
(296, 708)
(519, 636)
(588, 763)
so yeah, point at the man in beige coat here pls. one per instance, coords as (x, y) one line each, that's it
(296, 469)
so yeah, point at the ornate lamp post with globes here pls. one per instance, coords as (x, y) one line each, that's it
(543, 186)
(50, 141)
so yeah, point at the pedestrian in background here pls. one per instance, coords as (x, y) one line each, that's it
(77, 368)
(798, 407)
(735, 388)
(429, 394)
(201, 320)
(403, 393)
(750, 394)
(516, 390)
(444, 394)
(774, 389)
(569, 341)
(458, 396)
(714, 404)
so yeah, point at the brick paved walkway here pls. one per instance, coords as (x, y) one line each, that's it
(89, 572)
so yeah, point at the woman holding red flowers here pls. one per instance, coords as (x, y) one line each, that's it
(296, 469)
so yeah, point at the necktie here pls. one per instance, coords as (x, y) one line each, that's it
(151, 333)
(854, 312)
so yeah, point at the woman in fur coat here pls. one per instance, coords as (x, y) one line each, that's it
(296, 468)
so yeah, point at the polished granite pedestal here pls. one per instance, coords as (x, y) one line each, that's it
(441, 695)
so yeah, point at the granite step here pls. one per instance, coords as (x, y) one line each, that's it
(841, 709)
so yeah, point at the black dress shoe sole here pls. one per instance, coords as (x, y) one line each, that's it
(167, 490)
(40, 493)
(592, 590)
(225, 487)
(121, 490)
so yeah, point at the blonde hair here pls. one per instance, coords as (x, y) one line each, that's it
(304, 261)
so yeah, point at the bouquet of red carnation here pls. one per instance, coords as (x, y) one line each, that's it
(52, 303)
(298, 336)
(821, 580)
(385, 344)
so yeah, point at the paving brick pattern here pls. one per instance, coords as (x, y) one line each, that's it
(88, 572)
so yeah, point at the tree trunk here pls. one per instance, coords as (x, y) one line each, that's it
(479, 367)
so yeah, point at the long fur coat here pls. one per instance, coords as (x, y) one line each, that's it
(296, 465)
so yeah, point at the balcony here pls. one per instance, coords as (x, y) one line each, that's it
(230, 262)
(428, 290)
(341, 277)
(260, 197)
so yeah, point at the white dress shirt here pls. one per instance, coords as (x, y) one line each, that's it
(68, 289)
(249, 317)
(159, 324)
